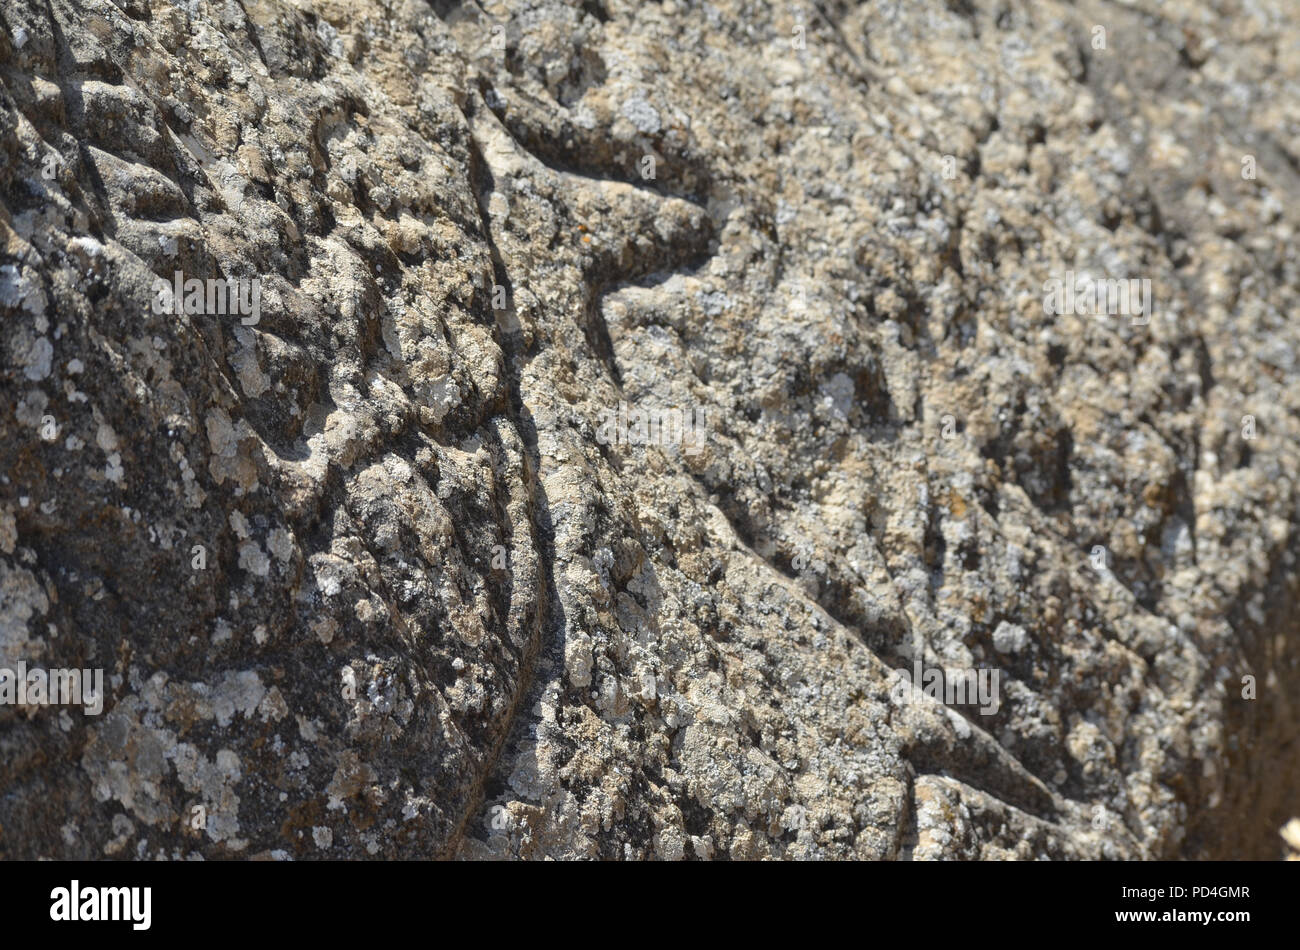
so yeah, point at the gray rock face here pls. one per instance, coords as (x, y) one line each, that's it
(613, 405)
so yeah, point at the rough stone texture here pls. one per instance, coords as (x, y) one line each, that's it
(440, 618)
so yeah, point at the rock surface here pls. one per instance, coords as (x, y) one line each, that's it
(374, 575)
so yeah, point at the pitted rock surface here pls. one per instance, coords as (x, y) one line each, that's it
(366, 579)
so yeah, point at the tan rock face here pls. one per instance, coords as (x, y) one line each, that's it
(637, 398)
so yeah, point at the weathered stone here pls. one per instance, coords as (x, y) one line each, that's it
(366, 571)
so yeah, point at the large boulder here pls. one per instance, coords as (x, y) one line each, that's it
(594, 429)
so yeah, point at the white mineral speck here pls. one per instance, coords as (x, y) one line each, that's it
(641, 114)
(40, 356)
